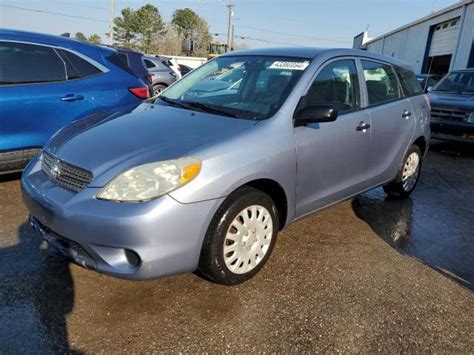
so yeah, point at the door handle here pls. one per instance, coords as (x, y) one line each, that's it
(406, 114)
(72, 97)
(363, 126)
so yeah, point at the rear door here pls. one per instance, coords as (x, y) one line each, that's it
(332, 156)
(392, 121)
(415, 93)
(36, 97)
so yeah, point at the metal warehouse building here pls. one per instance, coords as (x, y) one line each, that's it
(437, 43)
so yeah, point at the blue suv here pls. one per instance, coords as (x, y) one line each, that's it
(48, 81)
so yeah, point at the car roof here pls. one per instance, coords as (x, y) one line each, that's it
(312, 53)
(52, 40)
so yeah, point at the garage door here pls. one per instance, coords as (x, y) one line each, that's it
(445, 38)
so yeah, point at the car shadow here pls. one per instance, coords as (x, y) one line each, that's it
(36, 295)
(393, 221)
(10, 177)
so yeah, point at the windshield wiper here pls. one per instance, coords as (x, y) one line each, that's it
(209, 109)
(189, 105)
(174, 102)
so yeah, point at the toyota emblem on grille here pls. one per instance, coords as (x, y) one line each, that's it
(55, 170)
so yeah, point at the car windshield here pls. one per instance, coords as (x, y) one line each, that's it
(249, 87)
(458, 82)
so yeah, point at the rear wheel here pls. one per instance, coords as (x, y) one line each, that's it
(408, 176)
(158, 89)
(240, 238)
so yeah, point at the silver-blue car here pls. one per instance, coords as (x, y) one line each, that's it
(203, 179)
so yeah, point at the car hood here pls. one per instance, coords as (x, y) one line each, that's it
(107, 146)
(459, 101)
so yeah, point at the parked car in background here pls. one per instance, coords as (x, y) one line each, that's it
(185, 69)
(188, 182)
(428, 80)
(452, 107)
(133, 62)
(48, 81)
(162, 74)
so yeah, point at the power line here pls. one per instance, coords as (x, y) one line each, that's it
(294, 35)
(53, 13)
(243, 37)
(81, 5)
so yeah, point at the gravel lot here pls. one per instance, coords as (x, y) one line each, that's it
(365, 275)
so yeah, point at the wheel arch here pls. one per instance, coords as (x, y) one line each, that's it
(421, 143)
(277, 194)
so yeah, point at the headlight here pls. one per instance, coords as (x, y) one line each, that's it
(149, 181)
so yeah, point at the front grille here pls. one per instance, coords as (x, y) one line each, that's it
(64, 174)
(448, 114)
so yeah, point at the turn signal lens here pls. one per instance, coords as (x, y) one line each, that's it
(189, 173)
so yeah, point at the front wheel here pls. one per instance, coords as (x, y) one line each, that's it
(408, 175)
(240, 237)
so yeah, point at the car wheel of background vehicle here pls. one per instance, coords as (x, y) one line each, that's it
(408, 176)
(240, 237)
(157, 89)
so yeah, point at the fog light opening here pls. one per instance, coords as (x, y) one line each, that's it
(132, 258)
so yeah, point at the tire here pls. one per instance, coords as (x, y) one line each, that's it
(404, 185)
(157, 89)
(244, 243)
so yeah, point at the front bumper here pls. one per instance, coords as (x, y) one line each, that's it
(453, 131)
(165, 235)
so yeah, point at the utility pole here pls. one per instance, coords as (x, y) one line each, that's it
(229, 24)
(111, 24)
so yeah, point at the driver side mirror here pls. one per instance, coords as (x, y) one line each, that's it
(429, 89)
(315, 114)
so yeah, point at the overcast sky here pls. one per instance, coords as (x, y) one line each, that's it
(320, 23)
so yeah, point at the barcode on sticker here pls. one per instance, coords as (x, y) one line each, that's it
(289, 65)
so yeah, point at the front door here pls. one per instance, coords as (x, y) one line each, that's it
(332, 156)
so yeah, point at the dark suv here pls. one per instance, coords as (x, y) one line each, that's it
(132, 61)
(452, 107)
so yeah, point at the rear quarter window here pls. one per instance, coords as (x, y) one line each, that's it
(22, 63)
(149, 64)
(77, 66)
(410, 84)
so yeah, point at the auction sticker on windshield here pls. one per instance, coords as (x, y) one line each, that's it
(289, 65)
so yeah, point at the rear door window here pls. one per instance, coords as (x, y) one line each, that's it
(381, 81)
(22, 63)
(410, 85)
